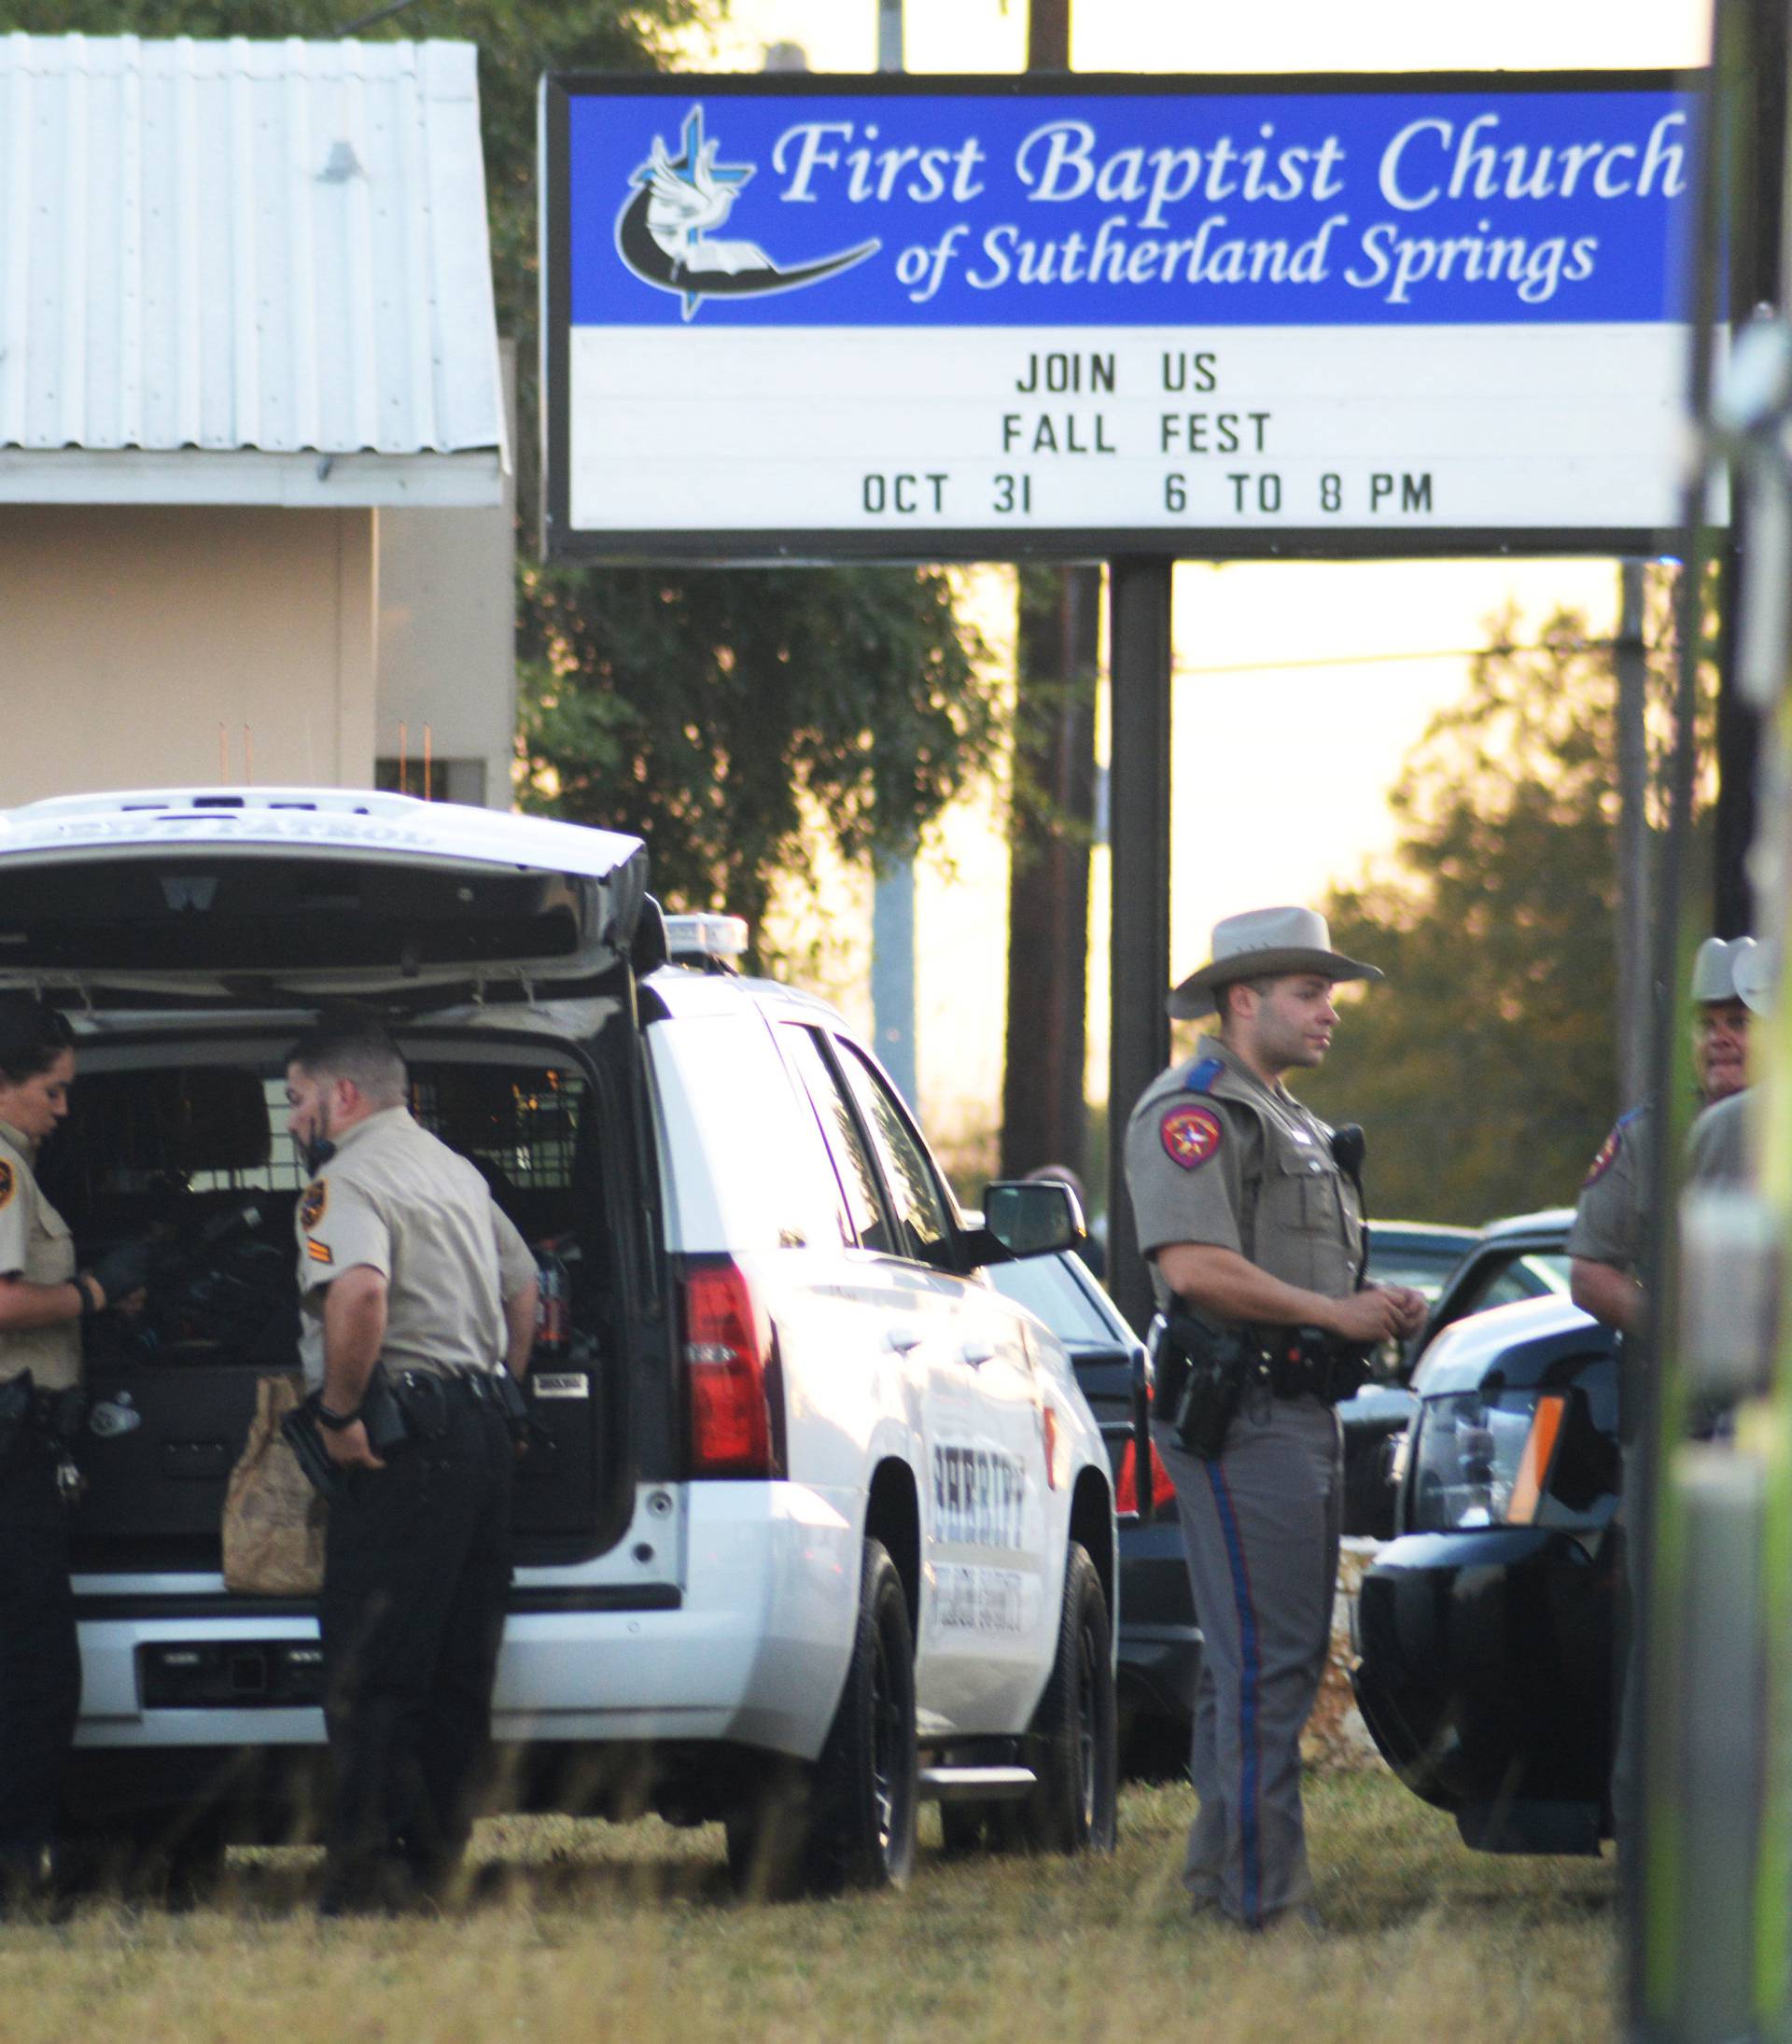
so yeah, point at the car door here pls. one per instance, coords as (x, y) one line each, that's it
(991, 1512)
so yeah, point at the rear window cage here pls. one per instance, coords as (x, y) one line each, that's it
(136, 1132)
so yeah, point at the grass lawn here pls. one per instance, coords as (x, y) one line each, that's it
(591, 1930)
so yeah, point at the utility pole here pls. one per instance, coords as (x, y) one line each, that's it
(892, 908)
(1634, 880)
(1057, 651)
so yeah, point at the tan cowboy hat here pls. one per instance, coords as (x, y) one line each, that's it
(1264, 942)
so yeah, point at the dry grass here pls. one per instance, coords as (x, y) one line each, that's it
(588, 1930)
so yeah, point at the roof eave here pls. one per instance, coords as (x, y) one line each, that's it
(470, 480)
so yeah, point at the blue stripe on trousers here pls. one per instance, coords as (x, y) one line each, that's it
(1249, 1675)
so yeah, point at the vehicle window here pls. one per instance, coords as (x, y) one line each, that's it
(1533, 1276)
(1424, 1273)
(770, 1170)
(840, 1133)
(1042, 1285)
(921, 1216)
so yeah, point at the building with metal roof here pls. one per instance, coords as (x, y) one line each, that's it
(245, 273)
(256, 502)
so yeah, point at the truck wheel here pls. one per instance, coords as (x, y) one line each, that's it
(1073, 1808)
(862, 1831)
(848, 1821)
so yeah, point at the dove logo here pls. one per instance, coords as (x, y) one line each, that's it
(663, 232)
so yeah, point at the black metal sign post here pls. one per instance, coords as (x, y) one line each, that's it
(1139, 661)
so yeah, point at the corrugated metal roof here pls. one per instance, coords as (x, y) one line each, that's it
(241, 248)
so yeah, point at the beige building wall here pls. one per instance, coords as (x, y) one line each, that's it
(130, 636)
(448, 639)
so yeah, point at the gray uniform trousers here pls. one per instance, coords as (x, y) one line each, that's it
(1260, 1528)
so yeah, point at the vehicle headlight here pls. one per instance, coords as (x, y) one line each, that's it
(1482, 1459)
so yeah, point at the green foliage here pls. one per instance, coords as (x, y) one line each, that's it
(1485, 1070)
(706, 712)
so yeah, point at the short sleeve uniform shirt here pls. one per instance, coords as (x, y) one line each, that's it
(396, 1198)
(35, 1245)
(1718, 1144)
(1608, 1215)
(1216, 1156)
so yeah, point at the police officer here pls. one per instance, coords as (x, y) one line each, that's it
(1605, 1243)
(1255, 1239)
(1718, 1143)
(43, 1302)
(415, 1290)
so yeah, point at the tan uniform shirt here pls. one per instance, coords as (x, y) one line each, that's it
(1608, 1215)
(396, 1199)
(1718, 1150)
(35, 1245)
(1214, 1156)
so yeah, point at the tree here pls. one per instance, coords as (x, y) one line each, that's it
(1485, 1070)
(715, 715)
(688, 705)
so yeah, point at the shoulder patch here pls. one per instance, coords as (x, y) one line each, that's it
(311, 1202)
(1607, 1154)
(1191, 1135)
(8, 1183)
(1201, 1079)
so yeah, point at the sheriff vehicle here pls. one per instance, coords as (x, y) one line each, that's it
(819, 1523)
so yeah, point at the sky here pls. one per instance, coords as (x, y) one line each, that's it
(1299, 687)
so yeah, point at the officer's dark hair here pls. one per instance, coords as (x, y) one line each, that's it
(1260, 985)
(349, 1043)
(32, 1035)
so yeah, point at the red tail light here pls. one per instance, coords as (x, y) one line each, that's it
(727, 1357)
(1126, 1493)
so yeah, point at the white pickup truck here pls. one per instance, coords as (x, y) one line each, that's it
(820, 1523)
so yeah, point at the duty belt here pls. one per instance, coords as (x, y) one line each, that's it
(1302, 1362)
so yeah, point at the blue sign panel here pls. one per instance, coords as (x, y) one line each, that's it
(1331, 209)
(1132, 246)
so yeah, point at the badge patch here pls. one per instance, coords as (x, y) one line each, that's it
(8, 1184)
(319, 1252)
(1191, 1135)
(311, 1202)
(1607, 1157)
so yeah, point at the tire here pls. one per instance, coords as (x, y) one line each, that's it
(1074, 1734)
(862, 1830)
(848, 1821)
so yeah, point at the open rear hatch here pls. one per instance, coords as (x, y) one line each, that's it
(230, 895)
(191, 932)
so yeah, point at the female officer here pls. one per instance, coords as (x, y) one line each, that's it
(43, 1301)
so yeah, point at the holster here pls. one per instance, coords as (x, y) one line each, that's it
(1204, 1372)
(380, 1415)
(18, 1413)
(526, 1430)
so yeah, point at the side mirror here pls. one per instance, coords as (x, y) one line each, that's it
(1030, 1217)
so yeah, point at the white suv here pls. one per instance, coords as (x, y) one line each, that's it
(819, 1523)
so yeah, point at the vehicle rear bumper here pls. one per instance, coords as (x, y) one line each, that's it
(753, 1650)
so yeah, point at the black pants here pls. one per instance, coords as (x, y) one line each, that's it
(41, 1662)
(417, 1573)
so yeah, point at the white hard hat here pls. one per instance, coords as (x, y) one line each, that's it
(1757, 976)
(1714, 968)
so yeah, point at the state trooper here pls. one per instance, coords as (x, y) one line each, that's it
(1606, 1240)
(416, 1291)
(1255, 1232)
